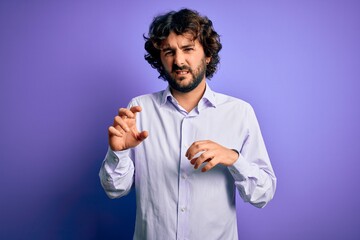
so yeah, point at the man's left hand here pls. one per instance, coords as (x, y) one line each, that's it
(212, 153)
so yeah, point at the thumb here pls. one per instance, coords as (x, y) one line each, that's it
(142, 135)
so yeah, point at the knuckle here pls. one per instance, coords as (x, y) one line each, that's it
(211, 164)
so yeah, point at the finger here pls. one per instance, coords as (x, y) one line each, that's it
(193, 161)
(113, 131)
(124, 112)
(197, 144)
(142, 135)
(135, 109)
(119, 121)
(212, 163)
(206, 156)
(195, 148)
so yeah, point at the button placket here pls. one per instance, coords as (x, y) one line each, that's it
(183, 201)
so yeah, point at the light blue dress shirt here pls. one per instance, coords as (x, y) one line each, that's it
(175, 201)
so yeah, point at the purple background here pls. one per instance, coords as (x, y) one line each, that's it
(66, 67)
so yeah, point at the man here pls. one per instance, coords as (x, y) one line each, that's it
(198, 147)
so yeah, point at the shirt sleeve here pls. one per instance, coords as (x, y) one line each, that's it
(253, 174)
(117, 171)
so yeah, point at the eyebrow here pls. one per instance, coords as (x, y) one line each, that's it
(188, 45)
(167, 47)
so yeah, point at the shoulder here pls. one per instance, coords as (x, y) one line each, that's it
(147, 99)
(223, 100)
(235, 108)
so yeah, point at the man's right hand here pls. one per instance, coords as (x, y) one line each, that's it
(123, 134)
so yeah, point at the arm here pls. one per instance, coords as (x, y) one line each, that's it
(116, 173)
(252, 172)
(251, 168)
(117, 170)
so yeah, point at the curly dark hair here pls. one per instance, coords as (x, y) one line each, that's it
(183, 21)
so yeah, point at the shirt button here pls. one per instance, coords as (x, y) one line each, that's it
(183, 209)
(183, 176)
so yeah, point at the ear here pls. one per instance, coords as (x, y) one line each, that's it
(207, 60)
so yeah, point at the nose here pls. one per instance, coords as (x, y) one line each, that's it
(179, 59)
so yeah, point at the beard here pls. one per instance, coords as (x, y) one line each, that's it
(197, 77)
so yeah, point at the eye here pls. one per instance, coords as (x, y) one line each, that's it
(168, 53)
(188, 49)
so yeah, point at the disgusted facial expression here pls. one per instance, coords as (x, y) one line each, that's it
(184, 61)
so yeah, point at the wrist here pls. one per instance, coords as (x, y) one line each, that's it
(238, 154)
(235, 155)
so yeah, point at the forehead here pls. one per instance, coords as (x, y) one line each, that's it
(175, 40)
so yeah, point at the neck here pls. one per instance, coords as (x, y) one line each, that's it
(190, 99)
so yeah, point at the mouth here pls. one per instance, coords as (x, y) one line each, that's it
(181, 72)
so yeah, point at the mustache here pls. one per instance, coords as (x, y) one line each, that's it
(176, 67)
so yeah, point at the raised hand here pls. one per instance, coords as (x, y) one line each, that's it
(210, 152)
(123, 134)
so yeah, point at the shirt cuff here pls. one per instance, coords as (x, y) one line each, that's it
(239, 170)
(117, 158)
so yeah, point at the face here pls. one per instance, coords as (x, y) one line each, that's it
(184, 62)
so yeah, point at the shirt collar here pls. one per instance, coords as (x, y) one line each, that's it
(207, 100)
(166, 96)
